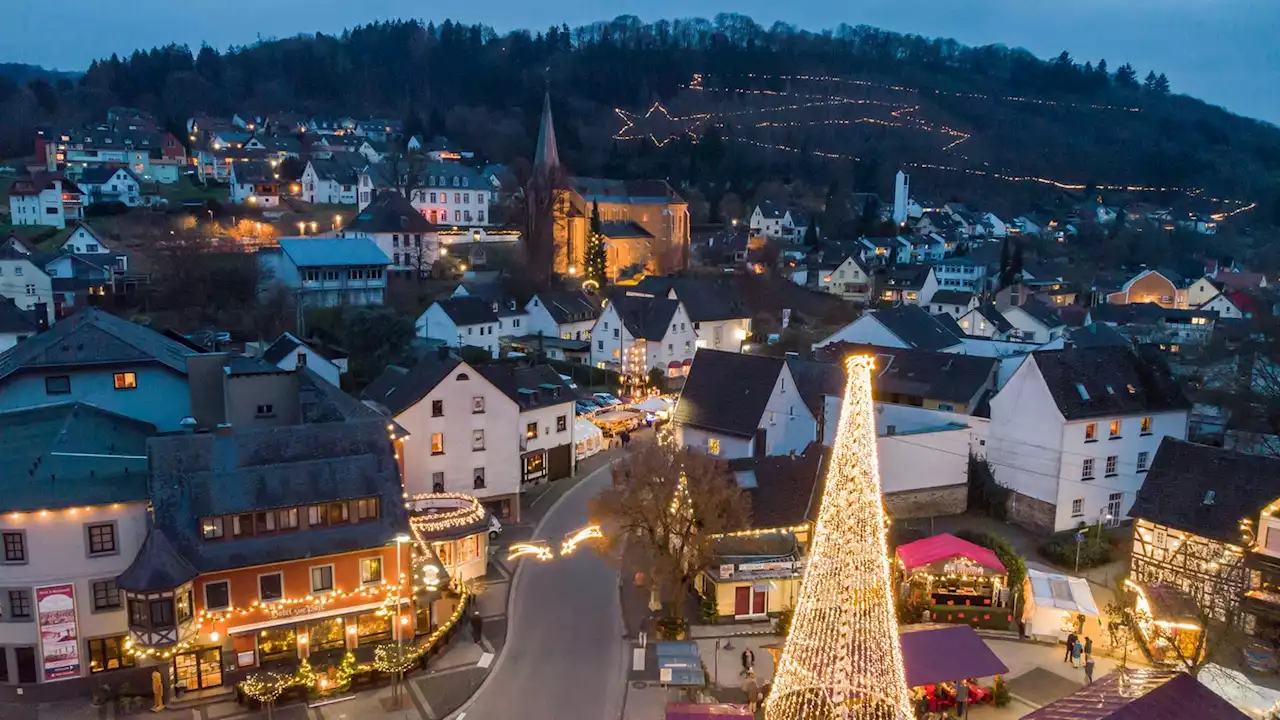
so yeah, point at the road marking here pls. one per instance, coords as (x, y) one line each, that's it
(486, 659)
(422, 700)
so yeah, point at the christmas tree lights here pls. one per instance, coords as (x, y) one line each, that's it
(842, 660)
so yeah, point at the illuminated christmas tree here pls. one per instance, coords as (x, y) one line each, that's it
(594, 257)
(842, 660)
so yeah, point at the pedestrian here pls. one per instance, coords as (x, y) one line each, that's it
(751, 686)
(748, 661)
(962, 699)
(921, 705)
(1088, 646)
(1088, 668)
(477, 626)
(1075, 654)
(1071, 641)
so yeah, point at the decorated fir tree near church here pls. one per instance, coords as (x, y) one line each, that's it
(842, 659)
(594, 257)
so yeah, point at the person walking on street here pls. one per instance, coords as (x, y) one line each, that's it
(1088, 669)
(477, 626)
(1075, 654)
(962, 699)
(748, 661)
(1071, 641)
(1088, 647)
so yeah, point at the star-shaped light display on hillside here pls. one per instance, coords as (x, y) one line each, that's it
(659, 125)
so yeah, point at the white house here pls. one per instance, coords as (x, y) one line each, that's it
(255, 183)
(637, 334)
(1074, 431)
(328, 272)
(928, 248)
(886, 250)
(956, 303)
(568, 315)
(1034, 321)
(766, 220)
(333, 181)
(996, 228)
(850, 279)
(107, 184)
(960, 273)
(986, 321)
(739, 406)
(44, 199)
(904, 326)
(447, 193)
(399, 230)
(290, 353)
(546, 424)
(1222, 305)
(907, 284)
(84, 241)
(720, 315)
(460, 322)
(24, 282)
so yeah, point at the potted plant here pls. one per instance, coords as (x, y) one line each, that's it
(672, 628)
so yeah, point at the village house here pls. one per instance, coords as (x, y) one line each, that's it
(879, 251)
(567, 314)
(635, 334)
(333, 181)
(45, 199)
(1150, 286)
(1034, 321)
(985, 321)
(152, 156)
(400, 232)
(290, 353)
(906, 285)
(1155, 324)
(961, 273)
(110, 184)
(904, 326)
(254, 183)
(461, 322)
(849, 279)
(720, 315)
(1073, 433)
(328, 272)
(26, 283)
(956, 303)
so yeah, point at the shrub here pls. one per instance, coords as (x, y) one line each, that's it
(671, 627)
(1000, 692)
(986, 494)
(977, 616)
(784, 621)
(710, 613)
(1095, 549)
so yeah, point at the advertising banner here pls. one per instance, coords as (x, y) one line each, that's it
(59, 637)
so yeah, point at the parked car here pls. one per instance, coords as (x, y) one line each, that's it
(569, 381)
(606, 398)
(495, 528)
(1259, 656)
(585, 408)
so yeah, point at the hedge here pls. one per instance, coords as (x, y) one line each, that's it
(977, 616)
(1095, 549)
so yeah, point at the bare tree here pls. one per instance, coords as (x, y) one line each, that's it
(666, 505)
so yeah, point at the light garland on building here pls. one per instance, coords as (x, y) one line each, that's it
(842, 659)
(469, 511)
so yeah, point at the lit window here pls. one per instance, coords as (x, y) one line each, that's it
(713, 446)
(370, 570)
(531, 430)
(437, 443)
(1146, 425)
(1091, 432)
(1115, 429)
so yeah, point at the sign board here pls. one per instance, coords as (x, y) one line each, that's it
(786, 565)
(59, 635)
(1079, 537)
(786, 318)
(963, 566)
(726, 571)
(664, 675)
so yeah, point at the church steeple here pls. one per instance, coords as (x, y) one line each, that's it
(547, 156)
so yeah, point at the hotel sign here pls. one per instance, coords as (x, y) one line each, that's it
(59, 634)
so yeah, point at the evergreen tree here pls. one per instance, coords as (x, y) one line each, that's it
(811, 235)
(1162, 84)
(594, 259)
(1127, 77)
(1150, 82)
(1004, 262)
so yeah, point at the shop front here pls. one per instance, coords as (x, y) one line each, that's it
(946, 575)
(287, 634)
(753, 577)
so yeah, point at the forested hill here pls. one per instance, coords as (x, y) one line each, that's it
(728, 101)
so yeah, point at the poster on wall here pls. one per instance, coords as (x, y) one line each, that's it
(59, 639)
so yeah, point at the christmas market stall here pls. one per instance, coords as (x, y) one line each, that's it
(938, 658)
(1169, 620)
(1056, 605)
(949, 575)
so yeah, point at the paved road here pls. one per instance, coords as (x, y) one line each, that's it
(565, 655)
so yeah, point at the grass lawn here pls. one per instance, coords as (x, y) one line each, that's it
(185, 190)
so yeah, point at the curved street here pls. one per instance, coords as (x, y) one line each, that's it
(565, 655)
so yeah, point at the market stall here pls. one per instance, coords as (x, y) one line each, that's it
(588, 439)
(698, 711)
(613, 422)
(952, 573)
(936, 659)
(1055, 604)
(658, 406)
(1169, 620)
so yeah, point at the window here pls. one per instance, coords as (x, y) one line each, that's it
(370, 570)
(125, 381)
(477, 439)
(242, 525)
(15, 546)
(366, 509)
(1143, 458)
(270, 587)
(713, 446)
(317, 515)
(264, 522)
(477, 478)
(322, 579)
(57, 385)
(1091, 432)
(531, 431)
(19, 604)
(106, 596)
(437, 408)
(102, 538)
(1115, 430)
(1145, 429)
(217, 595)
(287, 519)
(477, 405)
(108, 654)
(437, 482)
(1112, 462)
(17, 270)
(437, 443)
(599, 345)
(211, 528)
(562, 423)
(1077, 507)
(1086, 471)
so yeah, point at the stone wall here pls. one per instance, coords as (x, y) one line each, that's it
(930, 502)
(1027, 512)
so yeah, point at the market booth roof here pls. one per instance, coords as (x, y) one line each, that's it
(691, 711)
(944, 547)
(1143, 695)
(1062, 592)
(947, 654)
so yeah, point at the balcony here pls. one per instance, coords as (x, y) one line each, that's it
(161, 619)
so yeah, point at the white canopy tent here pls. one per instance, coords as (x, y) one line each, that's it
(655, 404)
(588, 438)
(1053, 602)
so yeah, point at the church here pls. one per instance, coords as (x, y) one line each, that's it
(644, 223)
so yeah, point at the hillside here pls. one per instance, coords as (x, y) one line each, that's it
(726, 105)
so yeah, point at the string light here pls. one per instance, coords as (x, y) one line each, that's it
(842, 659)
(538, 549)
(572, 540)
(467, 511)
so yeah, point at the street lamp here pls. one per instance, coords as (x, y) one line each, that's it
(337, 221)
(302, 228)
(399, 621)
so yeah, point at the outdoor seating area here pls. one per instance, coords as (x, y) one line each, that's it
(937, 659)
(948, 576)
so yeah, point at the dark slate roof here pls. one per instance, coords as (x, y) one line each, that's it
(468, 310)
(344, 168)
(15, 320)
(993, 315)
(951, 297)
(397, 389)
(916, 327)
(727, 392)
(566, 306)
(529, 386)
(100, 175)
(1183, 473)
(194, 476)
(784, 493)
(320, 401)
(1146, 694)
(770, 211)
(922, 373)
(1041, 313)
(243, 365)
(705, 300)
(253, 171)
(1096, 335)
(94, 337)
(1116, 381)
(645, 318)
(623, 191)
(815, 379)
(1146, 313)
(622, 229)
(390, 212)
(37, 474)
(157, 566)
(281, 348)
(907, 277)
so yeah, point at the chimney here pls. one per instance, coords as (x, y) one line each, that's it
(206, 383)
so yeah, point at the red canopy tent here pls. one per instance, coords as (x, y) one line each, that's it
(941, 548)
(955, 574)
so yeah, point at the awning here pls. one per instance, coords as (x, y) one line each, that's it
(673, 365)
(1062, 592)
(614, 416)
(653, 404)
(947, 654)
(308, 617)
(687, 361)
(944, 547)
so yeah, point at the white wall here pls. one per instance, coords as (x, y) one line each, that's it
(1029, 328)
(925, 459)
(1025, 447)
(731, 446)
(436, 324)
(789, 425)
(57, 552)
(315, 362)
(725, 335)
(31, 287)
(161, 397)
(865, 329)
(678, 344)
(548, 436)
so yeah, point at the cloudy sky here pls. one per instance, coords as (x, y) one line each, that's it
(1223, 51)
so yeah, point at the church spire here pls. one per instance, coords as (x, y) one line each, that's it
(547, 156)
